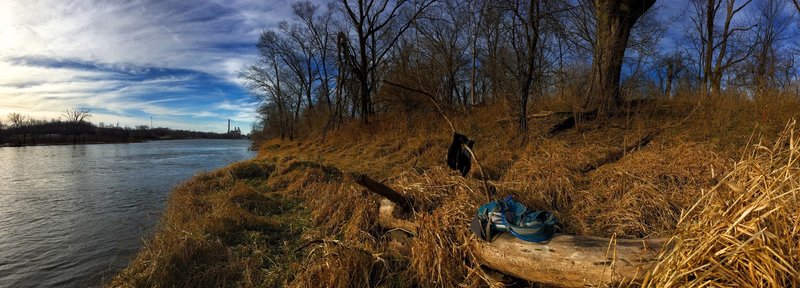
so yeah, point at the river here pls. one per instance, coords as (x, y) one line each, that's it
(72, 216)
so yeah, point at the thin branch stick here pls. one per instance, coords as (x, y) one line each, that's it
(315, 241)
(430, 96)
(618, 154)
(489, 193)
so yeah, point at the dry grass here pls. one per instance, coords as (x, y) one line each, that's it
(642, 195)
(744, 231)
(221, 228)
(229, 225)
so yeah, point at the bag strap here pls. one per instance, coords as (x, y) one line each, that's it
(541, 234)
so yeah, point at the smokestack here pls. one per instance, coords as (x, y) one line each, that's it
(229, 125)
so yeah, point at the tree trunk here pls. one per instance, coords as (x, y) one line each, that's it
(531, 46)
(363, 76)
(615, 18)
(716, 83)
(711, 11)
(670, 78)
(473, 74)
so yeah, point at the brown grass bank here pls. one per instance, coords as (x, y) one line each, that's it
(291, 217)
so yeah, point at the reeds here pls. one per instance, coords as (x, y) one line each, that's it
(744, 231)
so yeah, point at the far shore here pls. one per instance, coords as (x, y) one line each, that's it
(4, 145)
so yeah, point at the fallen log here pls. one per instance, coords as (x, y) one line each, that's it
(565, 261)
(565, 124)
(383, 190)
(571, 261)
(388, 219)
(541, 114)
(570, 121)
(615, 155)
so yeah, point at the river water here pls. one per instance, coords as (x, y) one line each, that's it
(72, 216)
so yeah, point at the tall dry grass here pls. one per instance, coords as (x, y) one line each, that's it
(222, 228)
(744, 231)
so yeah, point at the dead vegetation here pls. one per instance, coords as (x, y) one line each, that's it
(744, 231)
(305, 223)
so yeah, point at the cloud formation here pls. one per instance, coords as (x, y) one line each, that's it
(129, 60)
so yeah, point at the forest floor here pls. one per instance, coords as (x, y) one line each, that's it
(294, 217)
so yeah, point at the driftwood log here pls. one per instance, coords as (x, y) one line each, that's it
(616, 155)
(387, 218)
(541, 114)
(570, 121)
(571, 261)
(383, 190)
(566, 261)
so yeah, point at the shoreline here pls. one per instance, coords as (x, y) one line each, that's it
(7, 145)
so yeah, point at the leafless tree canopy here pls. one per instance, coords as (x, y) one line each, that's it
(76, 116)
(331, 64)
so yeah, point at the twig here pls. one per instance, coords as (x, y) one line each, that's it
(489, 194)
(315, 241)
(430, 96)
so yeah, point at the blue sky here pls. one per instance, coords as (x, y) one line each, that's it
(126, 61)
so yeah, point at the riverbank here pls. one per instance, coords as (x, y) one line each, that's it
(292, 216)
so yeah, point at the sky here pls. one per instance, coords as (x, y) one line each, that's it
(127, 61)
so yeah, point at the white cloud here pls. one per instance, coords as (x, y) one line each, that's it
(119, 37)
(175, 34)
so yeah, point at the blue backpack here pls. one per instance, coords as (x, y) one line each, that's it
(510, 216)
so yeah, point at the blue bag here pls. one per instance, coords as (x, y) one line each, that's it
(511, 216)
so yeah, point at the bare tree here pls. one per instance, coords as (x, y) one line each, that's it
(577, 41)
(266, 79)
(75, 118)
(525, 26)
(643, 46)
(346, 88)
(321, 38)
(475, 20)
(16, 119)
(615, 19)
(718, 52)
(373, 21)
(18, 123)
(443, 33)
(772, 24)
(297, 51)
(671, 68)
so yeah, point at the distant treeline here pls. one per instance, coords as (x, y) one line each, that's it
(38, 132)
